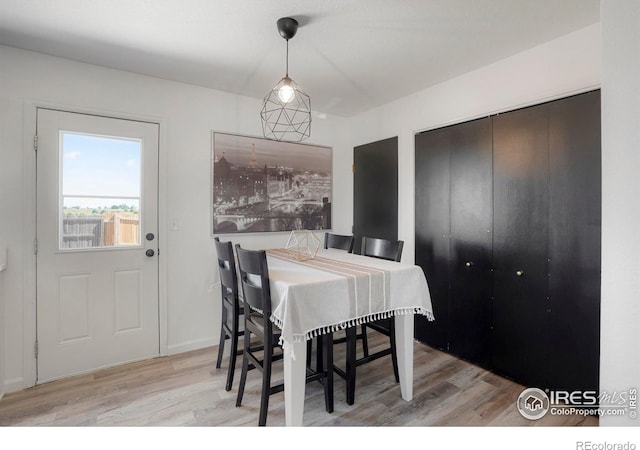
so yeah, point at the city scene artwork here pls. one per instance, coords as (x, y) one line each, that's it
(261, 185)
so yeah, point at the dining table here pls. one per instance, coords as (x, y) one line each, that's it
(333, 290)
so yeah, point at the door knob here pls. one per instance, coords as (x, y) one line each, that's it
(519, 272)
(150, 236)
(468, 264)
(150, 253)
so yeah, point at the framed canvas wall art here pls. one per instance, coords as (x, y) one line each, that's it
(260, 185)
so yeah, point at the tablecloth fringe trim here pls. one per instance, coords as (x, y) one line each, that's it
(298, 338)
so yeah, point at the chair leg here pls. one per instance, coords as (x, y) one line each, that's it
(266, 386)
(232, 361)
(320, 344)
(309, 350)
(394, 355)
(243, 380)
(223, 337)
(245, 366)
(351, 364)
(365, 343)
(327, 366)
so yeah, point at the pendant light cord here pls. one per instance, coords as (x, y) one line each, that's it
(287, 71)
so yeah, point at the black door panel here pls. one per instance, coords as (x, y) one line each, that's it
(375, 191)
(432, 230)
(574, 250)
(470, 273)
(521, 223)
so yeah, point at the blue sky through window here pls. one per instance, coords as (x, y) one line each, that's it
(107, 167)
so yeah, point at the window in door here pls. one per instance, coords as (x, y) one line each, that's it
(101, 180)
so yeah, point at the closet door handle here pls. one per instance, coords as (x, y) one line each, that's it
(519, 272)
(468, 264)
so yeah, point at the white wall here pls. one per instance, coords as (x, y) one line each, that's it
(3, 262)
(620, 307)
(187, 115)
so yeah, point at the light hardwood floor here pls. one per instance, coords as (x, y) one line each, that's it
(187, 390)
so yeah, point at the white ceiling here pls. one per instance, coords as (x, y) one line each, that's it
(348, 55)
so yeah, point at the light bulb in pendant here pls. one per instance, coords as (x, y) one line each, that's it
(286, 92)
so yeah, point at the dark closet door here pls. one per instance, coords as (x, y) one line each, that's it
(575, 230)
(521, 218)
(432, 230)
(375, 190)
(471, 281)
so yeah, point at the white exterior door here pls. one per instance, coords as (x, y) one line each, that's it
(97, 257)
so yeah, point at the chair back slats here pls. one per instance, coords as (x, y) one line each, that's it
(254, 277)
(228, 278)
(226, 264)
(224, 250)
(339, 241)
(382, 248)
(253, 296)
(228, 275)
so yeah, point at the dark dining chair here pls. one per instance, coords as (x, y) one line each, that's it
(261, 336)
(232, 310)
(383, 249)
(339, 241)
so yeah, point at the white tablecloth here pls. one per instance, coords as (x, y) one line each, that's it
(337, 289)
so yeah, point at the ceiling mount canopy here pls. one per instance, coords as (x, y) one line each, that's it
(287, 27)
(286, 110)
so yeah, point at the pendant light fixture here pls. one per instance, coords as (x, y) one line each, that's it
(286, 110)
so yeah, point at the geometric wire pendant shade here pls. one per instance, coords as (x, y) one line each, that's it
(286, 109)
(286, 121)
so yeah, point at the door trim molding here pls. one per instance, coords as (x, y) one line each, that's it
(29, 318)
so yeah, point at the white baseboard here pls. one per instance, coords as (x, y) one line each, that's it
(192, 345)
(13, 385)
